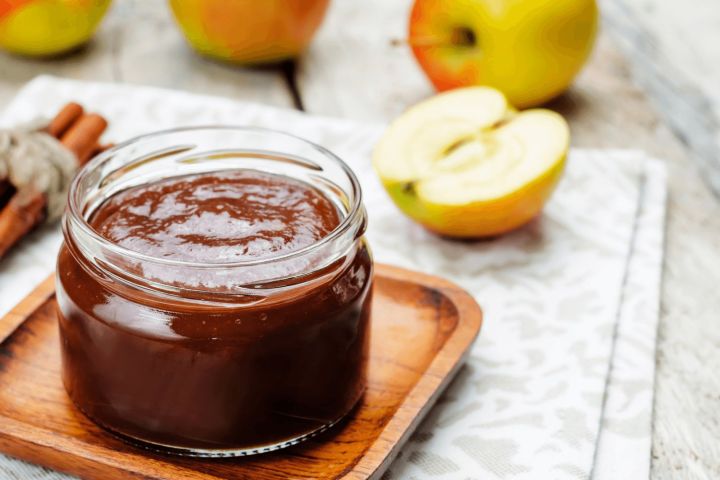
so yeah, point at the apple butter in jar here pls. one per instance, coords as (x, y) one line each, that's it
(214, 290)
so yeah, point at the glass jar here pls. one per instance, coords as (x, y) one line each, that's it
(287, 352)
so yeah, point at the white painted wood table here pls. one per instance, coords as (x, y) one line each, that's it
(354, 71)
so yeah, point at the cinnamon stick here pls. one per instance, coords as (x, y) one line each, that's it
(81, 139)
(67, 116)
(26, 208)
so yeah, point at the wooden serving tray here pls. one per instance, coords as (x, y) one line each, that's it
(422, 329)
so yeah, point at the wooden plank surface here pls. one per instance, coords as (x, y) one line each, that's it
(673, 54)
(354, 71)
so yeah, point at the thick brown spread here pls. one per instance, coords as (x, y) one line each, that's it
(269, 369)
(218, 218)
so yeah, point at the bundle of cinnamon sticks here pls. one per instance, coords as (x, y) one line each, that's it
(23, 209)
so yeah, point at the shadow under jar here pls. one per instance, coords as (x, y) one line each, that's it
(213, 290)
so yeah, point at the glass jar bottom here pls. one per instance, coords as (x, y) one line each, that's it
(219, 452)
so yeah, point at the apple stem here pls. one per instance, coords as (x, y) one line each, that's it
(459, 37)
(463, 37)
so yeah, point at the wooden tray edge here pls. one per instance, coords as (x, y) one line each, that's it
(20, 312)
(432, 383)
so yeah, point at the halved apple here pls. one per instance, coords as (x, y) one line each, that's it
(466, 164)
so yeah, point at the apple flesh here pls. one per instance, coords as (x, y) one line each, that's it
(249, 31)
(466, 164)
(531, 50)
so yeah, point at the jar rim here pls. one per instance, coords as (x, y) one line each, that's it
(75, 215)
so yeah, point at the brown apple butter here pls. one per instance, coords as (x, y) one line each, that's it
(202, 367)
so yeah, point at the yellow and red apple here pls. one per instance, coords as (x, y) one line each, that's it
(249, 31)
(48, 27)
(466, 164)
(529, 49)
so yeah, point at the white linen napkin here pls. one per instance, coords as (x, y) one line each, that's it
(625, 440)
(556, 294)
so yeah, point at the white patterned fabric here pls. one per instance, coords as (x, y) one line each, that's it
(625, 441)
(556, 294)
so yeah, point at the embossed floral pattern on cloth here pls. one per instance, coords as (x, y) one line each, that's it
(556, 294)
